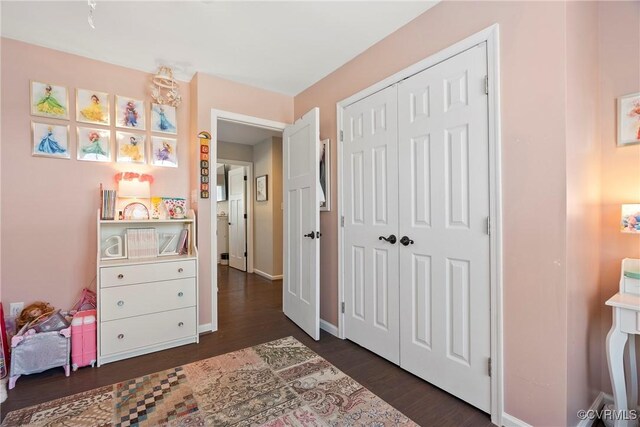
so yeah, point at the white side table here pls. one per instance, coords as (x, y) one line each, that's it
(626, 325)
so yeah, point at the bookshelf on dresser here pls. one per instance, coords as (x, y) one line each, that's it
(146, 304)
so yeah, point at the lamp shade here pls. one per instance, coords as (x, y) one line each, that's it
(134, 188)
(630, 221)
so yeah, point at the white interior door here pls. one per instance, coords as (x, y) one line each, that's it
(444, 209)
(237, 219)
(301, 286)
(370, 151)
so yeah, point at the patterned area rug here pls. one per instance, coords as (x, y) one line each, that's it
(281, 383)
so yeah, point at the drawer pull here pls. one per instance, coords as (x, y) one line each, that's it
(120, 276)
(120, 336)
(180, 294)
(181, 324)
(120, 303)
(180, 270)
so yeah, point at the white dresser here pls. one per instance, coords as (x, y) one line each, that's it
(146, 304)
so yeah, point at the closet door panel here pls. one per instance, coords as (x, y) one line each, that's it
(371, 211)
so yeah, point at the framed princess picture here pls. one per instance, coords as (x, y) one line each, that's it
(92, 107)
(94, 145)
(629, 119)
(163, 119)
(130, 113)
(49, 140)
(49, 100)
(130, 147)
(164, 152)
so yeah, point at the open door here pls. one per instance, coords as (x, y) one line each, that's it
(237, 220)
(301, 286)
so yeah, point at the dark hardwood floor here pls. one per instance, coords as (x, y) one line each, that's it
(250, 313)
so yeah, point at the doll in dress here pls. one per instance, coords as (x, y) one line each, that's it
(49, 145)
(132, 150)
(165, 152)
(165, 125)
(48, 104)
(130, 115)
(94, 111)
(95, 147)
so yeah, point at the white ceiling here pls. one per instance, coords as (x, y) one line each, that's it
(280, 46)
(239, 133)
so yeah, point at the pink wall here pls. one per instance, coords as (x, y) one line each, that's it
(533, 149)
(583, 209)
(216, 93)
(49, 205)
(619, 29)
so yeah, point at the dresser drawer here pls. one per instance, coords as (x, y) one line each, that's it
(128, 334)
(630, 321)
(141, 273)
(118, 302)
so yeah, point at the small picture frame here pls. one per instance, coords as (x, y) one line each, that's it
(325, 173)
(262, 189)
(49, 100)
(92, 107)
(164, 151)
(164, 119)
(629, 119)
(49, 140)
(94, 145)
(130, 113)
(130, 147)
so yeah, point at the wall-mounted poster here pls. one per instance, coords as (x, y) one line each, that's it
(94, 145)
(49, 100)
(164, 151)
(130, 147)
(629, 119)
(164, 119)
(92, 107)
(130, 113)
(262, 191)
(49, 140)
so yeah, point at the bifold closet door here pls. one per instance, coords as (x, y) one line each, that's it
(444, 208)
(371, 223)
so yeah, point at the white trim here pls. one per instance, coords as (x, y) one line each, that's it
(213, 159)
(329, 327)
(204, 328)
(511, 421)
(597, 404)
(491, 36)
(267, 275)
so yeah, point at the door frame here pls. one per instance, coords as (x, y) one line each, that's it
(228, 116)
(490, 35)
(248, 206)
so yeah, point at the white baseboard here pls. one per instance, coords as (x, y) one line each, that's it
(597, 404)
(511, 421)
(329, 327)
(267, 275)
(206, 327)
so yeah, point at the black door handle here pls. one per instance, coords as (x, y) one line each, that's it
(311, 235)
(391, 239)
(406, 241)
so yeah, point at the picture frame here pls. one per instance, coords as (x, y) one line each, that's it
(164, 151)
(325, 173)
(93, 144)
(131, 147)
(130, 113)
(50, 140)
(49, 100)
(164, 119)
(262, 188)
(629, 119)
(92, 107)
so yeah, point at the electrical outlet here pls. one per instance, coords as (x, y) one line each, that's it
(15, 308)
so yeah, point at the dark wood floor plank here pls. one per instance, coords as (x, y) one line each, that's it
(250, 313)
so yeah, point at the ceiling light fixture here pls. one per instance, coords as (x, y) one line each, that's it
(164, 89)
(92, 8)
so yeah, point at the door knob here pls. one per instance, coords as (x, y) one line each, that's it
(311, 235)
(406, 241)
(391, 239)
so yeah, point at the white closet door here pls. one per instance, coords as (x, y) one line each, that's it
(371, 211)
(237, 221)
(444, 207)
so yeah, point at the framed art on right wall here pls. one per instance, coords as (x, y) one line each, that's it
(629, 119)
